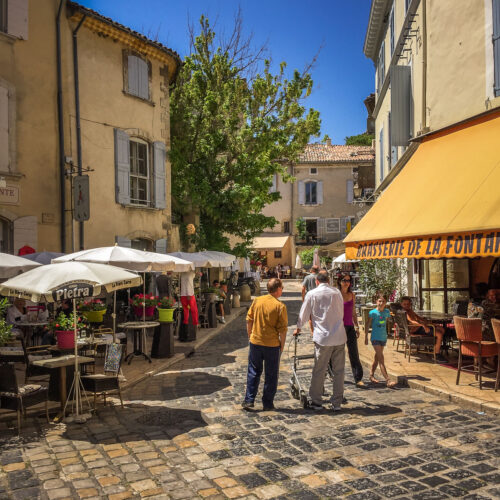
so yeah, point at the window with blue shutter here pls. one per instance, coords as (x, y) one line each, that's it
(496, 45)
(311, 193)
(160, 186)
(381, 68)
(138, 76)
(122, 167)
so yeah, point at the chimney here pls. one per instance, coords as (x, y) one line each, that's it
(328, 142)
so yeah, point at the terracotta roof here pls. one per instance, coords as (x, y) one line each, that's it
(76, 7)
(324, 153)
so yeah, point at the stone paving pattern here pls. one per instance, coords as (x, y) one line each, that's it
(182, 434)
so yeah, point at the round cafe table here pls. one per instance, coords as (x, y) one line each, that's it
(138, 329)
(28, 327)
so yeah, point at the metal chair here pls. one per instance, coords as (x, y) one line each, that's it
(35, 353)
(19, 397)
(495, 323)
(470, 339)
(410, 338)
(109, 380)
(203, 315)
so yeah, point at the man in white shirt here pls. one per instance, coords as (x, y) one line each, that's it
(325, 306)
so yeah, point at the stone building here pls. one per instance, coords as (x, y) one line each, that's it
(82, 95)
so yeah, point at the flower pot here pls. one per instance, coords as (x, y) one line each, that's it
(94, 316)
(210, 296)
(165, 315)
(65, 339)
(149, 311)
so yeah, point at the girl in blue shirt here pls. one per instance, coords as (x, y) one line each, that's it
(378, 321)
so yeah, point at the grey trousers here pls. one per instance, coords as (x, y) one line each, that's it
(322, 355)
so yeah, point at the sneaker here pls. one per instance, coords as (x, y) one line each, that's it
(246, 405)
(315, 406)
(441, 359)
(268, 408)
(223, 321)
(336, 408)
(361, 384)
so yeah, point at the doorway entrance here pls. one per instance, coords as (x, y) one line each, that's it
(312, 230)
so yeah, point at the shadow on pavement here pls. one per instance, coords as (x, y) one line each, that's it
(189, 384)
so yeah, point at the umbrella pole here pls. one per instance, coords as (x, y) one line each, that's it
(144, 301)
(114, 317)
(76, 380)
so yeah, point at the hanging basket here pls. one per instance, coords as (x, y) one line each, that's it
(165, 315)
(65, 339)
(94, 316)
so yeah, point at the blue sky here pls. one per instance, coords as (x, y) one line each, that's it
(294, 31)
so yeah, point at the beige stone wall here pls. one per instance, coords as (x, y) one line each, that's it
(28, 68)
(281, 209)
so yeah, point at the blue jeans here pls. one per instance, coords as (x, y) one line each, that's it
(260, 356)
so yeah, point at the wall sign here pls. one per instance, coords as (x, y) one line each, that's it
(9, 195)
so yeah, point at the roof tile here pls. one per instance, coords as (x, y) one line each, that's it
(324, 153)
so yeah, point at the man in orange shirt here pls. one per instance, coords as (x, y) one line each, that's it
(267, 324)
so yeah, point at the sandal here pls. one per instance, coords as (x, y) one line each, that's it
(374, 380)
(391, 383)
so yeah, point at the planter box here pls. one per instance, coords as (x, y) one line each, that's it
(65, 339)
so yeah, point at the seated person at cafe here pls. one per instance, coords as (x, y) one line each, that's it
(423, 327)
(222, 295)
(66, 308)
(490, 309)
(15, 314)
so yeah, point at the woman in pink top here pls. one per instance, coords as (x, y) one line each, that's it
(351, 327)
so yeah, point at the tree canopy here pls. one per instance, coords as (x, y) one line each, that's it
(364, 139)
(234, 124)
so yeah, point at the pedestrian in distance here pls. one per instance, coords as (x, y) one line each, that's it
(267, 325)
(378, 322)
(351, 327)
(309, 284)
(325, 307)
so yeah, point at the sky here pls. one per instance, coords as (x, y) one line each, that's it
(294, 31)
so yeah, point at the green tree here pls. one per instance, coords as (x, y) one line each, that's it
(386, 276)
(307, 256)
(364, 139)
(232, 125)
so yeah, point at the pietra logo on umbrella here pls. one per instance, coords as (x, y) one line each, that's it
(74, 290)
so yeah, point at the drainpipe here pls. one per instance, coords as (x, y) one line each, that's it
(77, 113)
(424, 65)
(60, 119)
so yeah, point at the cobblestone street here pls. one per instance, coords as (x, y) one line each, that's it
(182, 434)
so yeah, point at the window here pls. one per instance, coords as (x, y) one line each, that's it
(496, 45)
(286, 226)
(391, 28)
(381, 68)
(142, 244)
(137, 76)
(381, 154)
(6, 236)
(14, 18)
(313, 171)
(333, 225)
(139, 173)
(311, 193)
(443, 282)
(3, 16)
(407, 5)
(277, 254)
(274, 186)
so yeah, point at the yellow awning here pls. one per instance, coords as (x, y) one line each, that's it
(444, 203)
(270, 242)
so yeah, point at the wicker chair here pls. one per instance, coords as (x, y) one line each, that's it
(495, 323)
(470, 339)
(411, 340)
(17, 398)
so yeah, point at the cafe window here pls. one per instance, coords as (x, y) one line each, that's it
(442, 283)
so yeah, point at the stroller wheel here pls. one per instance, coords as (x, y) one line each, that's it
(294, 390)
(305, 403)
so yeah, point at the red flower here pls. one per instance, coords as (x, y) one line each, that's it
(57, 325)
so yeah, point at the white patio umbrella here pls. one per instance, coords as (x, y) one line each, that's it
(224, 259)
(69, 280)
(341, 259)
(199, 259)
(129, 258)
(10, 265)
(298, 262)
(43, 258)
(316, 261)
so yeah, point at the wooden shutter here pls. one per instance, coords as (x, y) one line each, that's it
(133, 75)
(160, 188)
(143, 78)
(302, 193)
(4, 129)
(381, 68)
(17, 18)
(321, 226)
(121, 241)
(122, 167)
(400, 105)
(381, 154)
(319, 192)
(349, 190)
(496, 45)
(161, 245)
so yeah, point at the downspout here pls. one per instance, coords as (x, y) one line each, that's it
(77, 113)
(60, 119)
(424, 66)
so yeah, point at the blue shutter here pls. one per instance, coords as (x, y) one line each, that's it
(122, 167)
(302, 193)
(381, 68)
(349, 190)
(496, 44)
(143, 78)
(133, 75)
(160, 188)
(391, 24)
(319, 192)
(401, 103)
(381, 154)
(161, 245)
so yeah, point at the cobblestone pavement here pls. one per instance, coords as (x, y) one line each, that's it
(182, 434)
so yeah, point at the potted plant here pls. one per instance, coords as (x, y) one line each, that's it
(166, 309)
(211, 293)
(93, 310)
(63, 327)
(144, 303)
(5, 328)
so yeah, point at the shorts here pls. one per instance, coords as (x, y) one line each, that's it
(379, 342)
(421, 331)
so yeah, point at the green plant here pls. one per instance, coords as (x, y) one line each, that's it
(66, 323)
(363, 139)
(211, 289)
(166, 303)
(386, 276)
(5, 331)
(300, 224)
(4, 305)
(307, 256)
(139, 300)
(92, 305)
